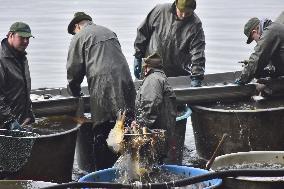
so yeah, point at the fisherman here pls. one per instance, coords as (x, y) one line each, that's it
(176, 33)
(155, 105)
(268, 56)
(95, 52)
(15, 80)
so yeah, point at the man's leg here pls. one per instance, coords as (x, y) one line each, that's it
(104, 157)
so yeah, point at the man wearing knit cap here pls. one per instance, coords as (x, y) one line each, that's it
(155, 105)
(174, 31)
(15, 80)
(268, 56)
(95, 52)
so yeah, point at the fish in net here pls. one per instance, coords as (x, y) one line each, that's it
(15, 149)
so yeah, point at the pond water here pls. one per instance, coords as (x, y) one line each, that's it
(223, 22)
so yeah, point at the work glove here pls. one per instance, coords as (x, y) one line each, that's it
(14, 125)
(239, 82)
(137, 67)
(195, 82)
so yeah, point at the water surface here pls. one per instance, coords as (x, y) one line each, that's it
(223, 22)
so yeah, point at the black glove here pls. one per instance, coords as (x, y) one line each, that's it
(137, 67)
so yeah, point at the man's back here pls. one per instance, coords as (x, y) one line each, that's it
(102, 50)
(270, 48)
(95, 52)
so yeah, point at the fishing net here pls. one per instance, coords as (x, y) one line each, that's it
(15, 149)
(140, 154)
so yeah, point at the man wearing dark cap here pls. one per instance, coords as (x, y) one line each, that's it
(155, 105)
(268, 52)
(176, 33)
(95, 52)
(15, 80)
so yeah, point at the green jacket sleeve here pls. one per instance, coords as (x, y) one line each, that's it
(5, 110)
(197, 48)
(75, 65)
(144, 32)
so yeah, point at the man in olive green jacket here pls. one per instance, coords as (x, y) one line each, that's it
(269, 37)
(175, 32)
(95, 52)
(15, 80)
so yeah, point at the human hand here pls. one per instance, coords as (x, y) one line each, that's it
(14, 125)
(134, 124)
(74, 91)
(262, 89)
(26, 121)
(195, 82)
(239, 82)
(137, 67)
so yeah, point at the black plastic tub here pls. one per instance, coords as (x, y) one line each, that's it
(250, 125)
(51, 156)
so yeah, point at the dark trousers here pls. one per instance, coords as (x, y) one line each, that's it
(104, 157)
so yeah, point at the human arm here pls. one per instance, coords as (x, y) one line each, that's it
(8, 119)
(75, 67)
(6, 115)
(137, 67)
(144, 33)
(197, 48)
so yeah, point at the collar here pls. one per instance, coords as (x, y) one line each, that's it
(152, 70)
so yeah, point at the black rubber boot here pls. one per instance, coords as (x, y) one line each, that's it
(104, 157)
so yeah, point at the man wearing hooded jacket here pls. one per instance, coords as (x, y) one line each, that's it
(176, 33)
(15, 80)
(95, 52)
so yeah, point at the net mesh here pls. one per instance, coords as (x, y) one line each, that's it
(15, 149)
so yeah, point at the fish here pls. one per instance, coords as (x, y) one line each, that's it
(115, 137)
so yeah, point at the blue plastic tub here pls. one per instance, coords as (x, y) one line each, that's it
(109, 175)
